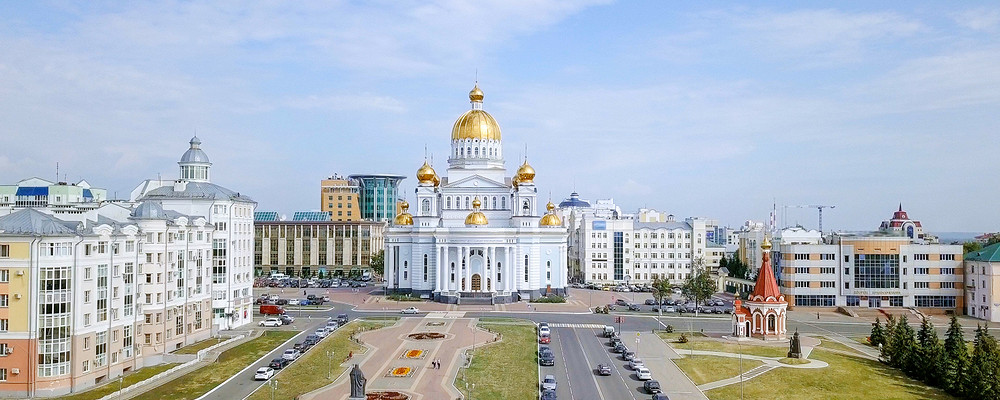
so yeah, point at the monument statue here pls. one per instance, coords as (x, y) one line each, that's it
(794, 347)
(357, 383)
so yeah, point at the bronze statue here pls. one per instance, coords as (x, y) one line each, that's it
(357, 383)
(794, 347)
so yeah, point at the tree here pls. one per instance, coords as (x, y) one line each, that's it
(700, 284)
(983, 372)
(956, 373)
(724, 263)
(888, 350)
(377, 262)
(877, 337)
(931, 355)
(661, 289)
(906, 348)
(971, 246)
(737, 268)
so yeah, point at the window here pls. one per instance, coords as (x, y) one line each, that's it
(4, 250)
(947, 257)
(801, 284)
(853, 301)
(3, 349)
(4, 299)
(876, 271)
(947, 285)
(827, 270)
(947, 271)
(921, 257)
(4, 324)
(935, 301)
(921, 285)
(827, 284)
(921, 271)
(801, 256)
(4, 275)
(3, 374)
(827, 256)
(813, 300)
(801, 270)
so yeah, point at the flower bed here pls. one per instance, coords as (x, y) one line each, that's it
(386, 396)
(426, 336)
(415, 354)
(399, 372)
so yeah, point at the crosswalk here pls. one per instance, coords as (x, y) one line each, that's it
(582, 326)
(446, 314)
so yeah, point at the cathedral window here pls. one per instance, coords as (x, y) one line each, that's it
(447, 202)
(525, 207)
(771, 323)
(525, 267)
(494, 202)
(467, 204)
(548, 270)
(425, 268)
(425, 207)
(503, 203)
(477, 152)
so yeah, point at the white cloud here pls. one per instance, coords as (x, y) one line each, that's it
(980, 19)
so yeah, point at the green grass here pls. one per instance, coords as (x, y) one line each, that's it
(402, 297)
(673, 336)
(112, 386)
(847, 377)
(500, 320)
(793, 361)
(828, 343)
(705, 369)
(198, 382)
(310, 371)
(702, 343)
(194, 348)
(513, 358)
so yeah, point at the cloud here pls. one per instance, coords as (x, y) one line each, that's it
(980, 19)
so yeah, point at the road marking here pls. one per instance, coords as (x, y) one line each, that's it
(566, 370)
(583, 326)
(618, 370)
(587, 359)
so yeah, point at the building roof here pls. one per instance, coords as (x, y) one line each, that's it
(574, 201)
(149, 210)
(195, 190)
(265, 216)
(767, 285)
(195, 154)
(989, 253)
(33, 222)
(312, 216)
(662, 225)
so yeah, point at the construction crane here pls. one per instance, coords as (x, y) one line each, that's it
(820, 208)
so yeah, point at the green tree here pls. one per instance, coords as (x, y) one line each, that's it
(699, 285)
(888, 350)
(985, 364)
(971, 246)
(956, 372)
(994, 239)
(724, 263)
(878, 334)
(908, 356)
(931, 355)
(661, 289)
(737, 268)
(377, 262)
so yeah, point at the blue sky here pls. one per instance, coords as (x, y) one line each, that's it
(714, 109)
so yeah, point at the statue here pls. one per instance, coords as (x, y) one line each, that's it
(794, 347)
(357, 383)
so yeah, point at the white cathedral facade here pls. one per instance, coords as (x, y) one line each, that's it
(475, 236)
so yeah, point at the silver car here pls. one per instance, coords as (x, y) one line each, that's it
(549, 383)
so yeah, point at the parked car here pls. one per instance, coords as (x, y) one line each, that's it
(311, 297)
(342, 319)
(300, 346)
(278, 363)
(270, 309)
(271, 322)
(322, 333)
(544, 339)
(633, 307)
(669, 309)
(717, 310)
(410, 310)
(548, 395)
(291, 354)
(544, 330)
(621, 302)
(549, 382)
(635, 363)
(603, 369)
(652, 386)
(286, 319)
(660, 396)
(620, 348)
(650, 302)
(263, 374)
(643, 374)
(280, 302)
(719, 303)
(293, 302)
(546, 357)
(615, 340)
(628, 355)
(311, 340)
(609, 331)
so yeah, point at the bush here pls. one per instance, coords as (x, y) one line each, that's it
(549, 299)
(682, 339)
(669, 329)
(402, 297)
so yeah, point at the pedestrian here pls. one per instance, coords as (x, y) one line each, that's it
(817, 315)
(303, 292)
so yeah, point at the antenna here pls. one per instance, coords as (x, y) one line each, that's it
(477, 75)
(57, 172)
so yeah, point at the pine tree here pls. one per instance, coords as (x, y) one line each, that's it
(956, 372)
(888, 350)
(907, 349)
(983, 371)
(878, 334)
(932, 357)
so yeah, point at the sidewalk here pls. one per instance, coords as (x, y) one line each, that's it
(658, 356)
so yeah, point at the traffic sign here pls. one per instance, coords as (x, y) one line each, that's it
(619, 319)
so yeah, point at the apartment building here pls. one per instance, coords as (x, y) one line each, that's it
(340, 197)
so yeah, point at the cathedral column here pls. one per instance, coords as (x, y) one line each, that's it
(437, 269)
(463, 269)
(446, 271)
(491, 269)
(391, 271)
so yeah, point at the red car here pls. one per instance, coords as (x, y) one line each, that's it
(544, 339)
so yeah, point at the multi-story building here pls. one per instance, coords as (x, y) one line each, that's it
(871, 271)
(312, 248)
(627, 250)
(339, 196)
(378, 194)
(982, 283)
(231, 214)
(56, 197)
(68, 316)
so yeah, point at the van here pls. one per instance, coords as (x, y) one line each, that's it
(278, 275)
(271, 309)
(609, 331)
(366, 275)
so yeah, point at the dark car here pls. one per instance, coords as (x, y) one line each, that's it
(717, 310)
(281, 302)
(660, 396)
(620, 348)
(548, 395)
(615, 340)
(279, 363)
(311, 340)
(546, 357)
(603, 369)
(633, 307)
(650, 302)
(341, 319)
(311, 297)
(285, 319)
(300, 346)
(621, 302)
(651, 386)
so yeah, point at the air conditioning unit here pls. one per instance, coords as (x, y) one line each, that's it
(15, 371)
(10, 350)
(17, 295)
(20, 273)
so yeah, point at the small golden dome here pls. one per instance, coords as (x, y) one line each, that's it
(426, 174)
(515, 181)
(476, 217)
(550, 218)
(551, 207)
(525, 173)
(404, 218)
(476, 94)
(767, 244)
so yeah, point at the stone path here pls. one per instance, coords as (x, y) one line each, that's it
(769, 364)
(387, 351)
(658, 356)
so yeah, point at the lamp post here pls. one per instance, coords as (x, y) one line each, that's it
(273, 383)
(121, 381)
(329, 358)
(740, 345)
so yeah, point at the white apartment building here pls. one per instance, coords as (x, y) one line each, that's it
(982, 283)
(57, 198)
(626, 250)
(231, 215)
(870, 272)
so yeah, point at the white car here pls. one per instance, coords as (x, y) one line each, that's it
(410, 310)
(272, 322)
(322, 332)
(643, 374)
(326, 298)
(293, 302)
(291, 354)
(544, 331)
(549, 383)
(635, 363)
(263, 374)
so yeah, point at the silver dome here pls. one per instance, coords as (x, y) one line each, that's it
(195, 154)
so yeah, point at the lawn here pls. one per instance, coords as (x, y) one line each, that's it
(310, 371)
(112, 386)
(828, 343)
(705, 369)
(196, 383)
(194, 348)
(700, 343)
(515, 356)
(847, 377)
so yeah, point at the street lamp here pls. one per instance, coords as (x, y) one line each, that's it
(273, 383)
(121, 381)
(740, 345)
(329, 357)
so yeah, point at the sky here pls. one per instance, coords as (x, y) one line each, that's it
(712, 109)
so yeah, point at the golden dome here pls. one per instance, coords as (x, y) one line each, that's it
(476, 94)
(476, 217)
(550, 218)
(515, 181)
(404, 218)
(525, 173)
(426, 174)
(476, 123)
(767, 244)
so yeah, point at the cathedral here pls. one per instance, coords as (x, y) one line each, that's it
(763, 314)
(475, 236)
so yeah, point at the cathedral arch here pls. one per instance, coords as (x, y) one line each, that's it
(425, 207)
